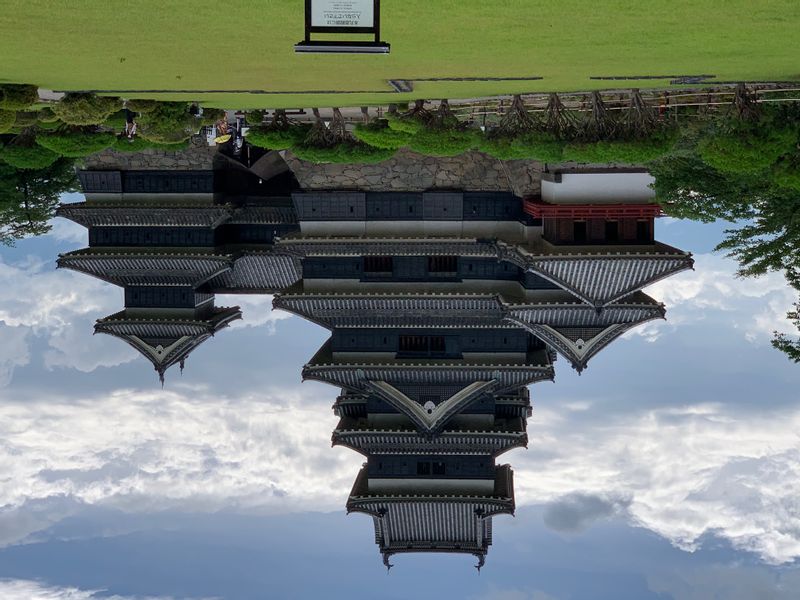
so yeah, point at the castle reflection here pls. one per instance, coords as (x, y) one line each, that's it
(445, 297)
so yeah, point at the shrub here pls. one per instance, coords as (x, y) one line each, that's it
(443, 142)
(28, 157)
(379, 135)
(347, 152)
(18, 97)
(168, 123)
(7, 120)
(746, 152)
(278, 139)
(137, 144)
(85, 109)
(76, 144)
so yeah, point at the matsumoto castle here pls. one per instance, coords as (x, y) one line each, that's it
(443, 307)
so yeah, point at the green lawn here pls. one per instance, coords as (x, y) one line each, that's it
(248, 45)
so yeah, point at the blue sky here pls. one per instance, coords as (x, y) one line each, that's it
(668, 469)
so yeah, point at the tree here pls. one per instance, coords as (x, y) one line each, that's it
(22, 152)
(745, 103)
(559, 122)
(7, 120)
(168, 123)
(28, 198)
(78, 108)
(639, 120)
(18, 97)
(76, 143)
(279, 134)
(516, 120)
(378, 134)
(781, 341)
(599, 123)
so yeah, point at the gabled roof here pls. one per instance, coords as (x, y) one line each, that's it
(166, 341)
(355, 374)
(145, 214)
(491, 440)
(151, 266)
(394, 310)
(450, 523)
(578, 331)
(600, 277)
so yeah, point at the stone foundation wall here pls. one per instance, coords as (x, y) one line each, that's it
(415, 172)
(197, 157)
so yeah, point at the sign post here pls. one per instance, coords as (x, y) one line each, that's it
(343, 17)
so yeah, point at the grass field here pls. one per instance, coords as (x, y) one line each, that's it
(248, 45)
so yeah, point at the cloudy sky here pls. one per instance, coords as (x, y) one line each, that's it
(669, 469)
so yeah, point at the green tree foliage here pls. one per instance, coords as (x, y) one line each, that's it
(378, 134)
(28, 198)
(747, 151)
(85, 109)
(7, 120)
(278, 139)
(142, 106)
(531, 146)
(46, 115)
(408, 124)
(632, 152)
(76, 143)
(26, 154)
(18, 97)
(116, 121)
(786, 173)
(168, 123)
(790, 347)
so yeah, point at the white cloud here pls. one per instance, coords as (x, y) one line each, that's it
(23, 589)
(13, 351)
(64, 230)
(59, 307)
(495, 592)
(256, 310)
(755, 306)
(688, 472)
(140, 451)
